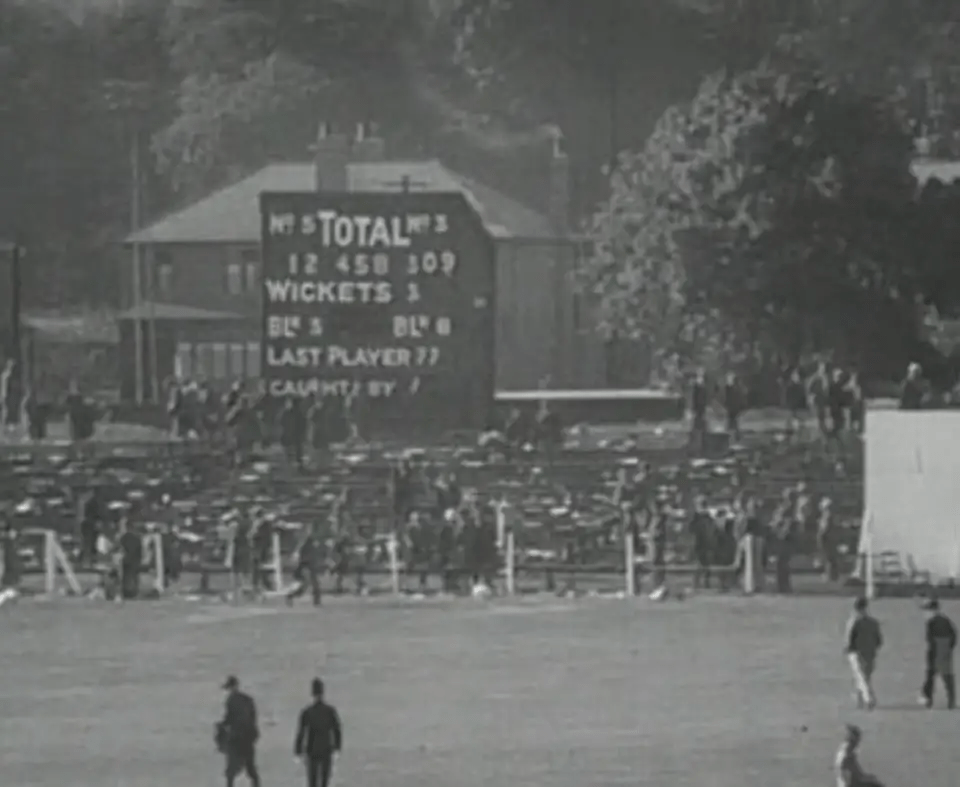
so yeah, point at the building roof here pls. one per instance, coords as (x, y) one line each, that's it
(149, 310)
(92, 328)
(233, 213)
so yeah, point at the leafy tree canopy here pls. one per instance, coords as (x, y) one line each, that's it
(774, 208)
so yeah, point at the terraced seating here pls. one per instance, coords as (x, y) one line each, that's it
(560, 505)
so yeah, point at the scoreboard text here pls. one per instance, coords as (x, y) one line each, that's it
(382, 297)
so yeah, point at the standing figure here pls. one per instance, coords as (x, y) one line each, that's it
(699, 399)
(734, 403)
(319, 737)
(309, 559)
(941, 639)
(293, 428)
(827, 538)
(913, 390)
(238, 733)
(795, 401)
(863, 643)
(703, 529)
(818, 390)
(9, 396)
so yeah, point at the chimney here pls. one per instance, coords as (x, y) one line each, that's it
(558, 200)
(331, 157)
(368, 145)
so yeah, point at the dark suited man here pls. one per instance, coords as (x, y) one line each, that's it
(319, 737)
(240, 734)
(941, 644)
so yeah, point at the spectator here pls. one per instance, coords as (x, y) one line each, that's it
(827, 545)
(516, 432)
(795, 401)
(292, 431)
(699, 398)
(837, 402)
(703, 530)
(735, 403)
(548, 431)
(9, 396)
(913, 390)
(818, 393)
(178, 410)
(317, 425)
(856, 405)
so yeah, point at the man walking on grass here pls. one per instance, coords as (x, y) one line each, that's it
(238, 733)
(941, 637)
(319, 737)
(863, 642)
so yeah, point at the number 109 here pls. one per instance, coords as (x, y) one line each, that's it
(430, 263)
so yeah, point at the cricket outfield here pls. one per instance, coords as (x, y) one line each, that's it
(707, 692)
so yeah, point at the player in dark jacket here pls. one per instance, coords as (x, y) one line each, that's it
(310, 559)
(319, 737)
(238, 733)
(941, 638)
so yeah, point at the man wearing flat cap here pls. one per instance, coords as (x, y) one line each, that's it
(237, 734)
(319, 737)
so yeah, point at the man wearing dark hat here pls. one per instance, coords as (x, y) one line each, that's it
(941, 642)
(319, 737)
(238, 733)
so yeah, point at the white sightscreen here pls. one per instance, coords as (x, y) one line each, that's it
(913, 488)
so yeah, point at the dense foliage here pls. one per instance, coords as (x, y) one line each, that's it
(768, 209)
(761, 216)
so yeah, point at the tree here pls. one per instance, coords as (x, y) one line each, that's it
(774, 205)
(63, 187)
(256, 78)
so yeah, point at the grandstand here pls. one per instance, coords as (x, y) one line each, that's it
(559, 510)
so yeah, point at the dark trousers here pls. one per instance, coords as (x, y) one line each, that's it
(784, 585)
(307, 577)
(242, 759)
(949, 684)
(319, 771)
(129, 580)
(701, 574)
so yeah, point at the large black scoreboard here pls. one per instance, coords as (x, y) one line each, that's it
(385, 298)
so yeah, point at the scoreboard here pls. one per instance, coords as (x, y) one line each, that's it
(386, 298)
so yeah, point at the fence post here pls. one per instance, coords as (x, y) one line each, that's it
(509, 564)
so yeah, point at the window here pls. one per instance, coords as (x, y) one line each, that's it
(162, 273)
(253, 359)
(216, 361)
(219, 361)
(204, 362)
(251, 269)
(183, 361)
(237, 356)
(234, 278)
(243, 275)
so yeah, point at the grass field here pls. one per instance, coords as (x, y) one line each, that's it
(709, 691)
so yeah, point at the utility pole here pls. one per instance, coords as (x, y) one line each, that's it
(16, 343)
(613, 79)
(137, 270)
